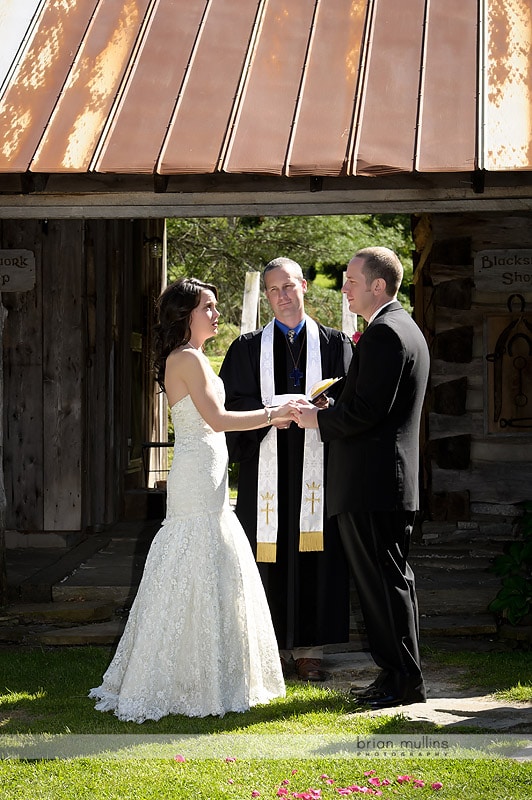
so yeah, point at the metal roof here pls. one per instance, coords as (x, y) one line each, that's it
(287, 88)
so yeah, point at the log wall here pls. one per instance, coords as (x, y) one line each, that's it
(477, 438)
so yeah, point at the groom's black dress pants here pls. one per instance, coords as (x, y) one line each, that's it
(376, 546)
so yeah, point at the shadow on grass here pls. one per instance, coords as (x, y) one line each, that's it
(45, 691)
(293, 715)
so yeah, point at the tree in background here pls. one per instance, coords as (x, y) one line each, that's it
(222, 249)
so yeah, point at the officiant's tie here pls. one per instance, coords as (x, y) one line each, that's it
(296, 373)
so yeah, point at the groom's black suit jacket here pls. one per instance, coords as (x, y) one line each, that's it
(373, 429)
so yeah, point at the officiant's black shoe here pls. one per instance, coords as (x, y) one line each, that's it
(309, 669)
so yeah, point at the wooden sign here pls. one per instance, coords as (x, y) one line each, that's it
(503, 271)
(509, 373)
(17, 270)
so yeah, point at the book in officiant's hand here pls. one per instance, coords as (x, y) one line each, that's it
(321, 387)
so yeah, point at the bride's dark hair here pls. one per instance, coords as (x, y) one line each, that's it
(174, 307)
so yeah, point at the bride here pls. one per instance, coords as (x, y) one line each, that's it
(199, 638)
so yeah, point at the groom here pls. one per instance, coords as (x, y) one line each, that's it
(373, 486)
(281, 503)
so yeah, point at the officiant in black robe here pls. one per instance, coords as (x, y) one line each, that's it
(308, 592)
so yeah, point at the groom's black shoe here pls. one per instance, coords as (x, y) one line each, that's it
(381, 682)
(389, 700)
(367, 691)
(383, 696)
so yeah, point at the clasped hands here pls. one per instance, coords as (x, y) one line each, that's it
(300, 411)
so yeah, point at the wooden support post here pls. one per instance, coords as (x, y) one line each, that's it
(349, 320)
(250, 306)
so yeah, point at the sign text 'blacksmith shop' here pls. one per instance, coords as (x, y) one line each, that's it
(503, 270)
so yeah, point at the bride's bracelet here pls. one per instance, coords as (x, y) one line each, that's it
(268, 415)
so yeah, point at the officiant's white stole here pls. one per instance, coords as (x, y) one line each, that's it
(312, 493)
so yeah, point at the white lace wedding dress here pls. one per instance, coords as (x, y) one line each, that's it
(199, 638)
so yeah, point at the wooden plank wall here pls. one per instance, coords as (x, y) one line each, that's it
(97, 380)
(474, 470)
(23, 388)
(67, 362)
(63, 345)
(104, 299)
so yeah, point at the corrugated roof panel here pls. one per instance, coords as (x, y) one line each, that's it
(447, 127)
(309, 87)
(388, 114)
(320, 142)
(148, 100)
(94, 79)
(507, 106)
(263, 125)
(30, 97)
(16, 19)
(200, 124)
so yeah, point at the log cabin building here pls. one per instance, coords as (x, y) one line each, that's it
(118, 114)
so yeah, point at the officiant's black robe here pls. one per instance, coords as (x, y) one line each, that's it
(308, 593)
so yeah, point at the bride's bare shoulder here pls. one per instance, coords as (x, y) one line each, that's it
(183, 353)
(185, 362)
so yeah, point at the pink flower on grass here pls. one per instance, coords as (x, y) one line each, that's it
(419, 784)
(179, 758)
(404, 778)
(436, 785)
(230, 759)
(282, 791)
(255, 793)
(310, 794)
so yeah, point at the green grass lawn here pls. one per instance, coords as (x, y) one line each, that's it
(217, 780)
(43, 694)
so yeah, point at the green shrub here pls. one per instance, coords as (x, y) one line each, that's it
(514, 599)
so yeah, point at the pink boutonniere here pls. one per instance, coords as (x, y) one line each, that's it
(356, 336)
